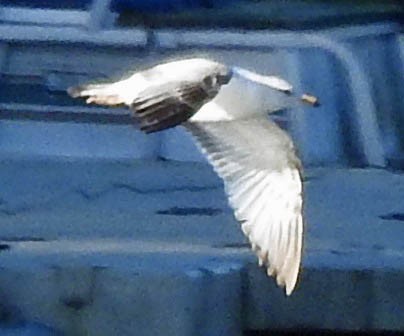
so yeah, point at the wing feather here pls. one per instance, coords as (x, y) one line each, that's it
(164, 106)
(162, 96)
(262, 179)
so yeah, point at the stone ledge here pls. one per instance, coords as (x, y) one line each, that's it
(222, 38)
(136, 37)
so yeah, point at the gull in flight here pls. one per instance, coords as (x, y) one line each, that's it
(225, 109)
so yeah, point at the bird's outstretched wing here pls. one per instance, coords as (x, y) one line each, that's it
(262, 178)
(162, 96)
(167, 105)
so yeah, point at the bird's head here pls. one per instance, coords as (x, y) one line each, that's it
(276, 92)
(286, 97)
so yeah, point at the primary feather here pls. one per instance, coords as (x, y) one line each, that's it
(261, 174)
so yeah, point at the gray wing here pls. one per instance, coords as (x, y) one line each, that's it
(261, 173)
(167, 105)
(163, 96)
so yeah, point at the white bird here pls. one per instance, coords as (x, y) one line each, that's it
(225, 109)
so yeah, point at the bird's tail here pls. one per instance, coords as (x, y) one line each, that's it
(102, 94)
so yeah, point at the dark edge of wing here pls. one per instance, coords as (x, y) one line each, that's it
(164, 106)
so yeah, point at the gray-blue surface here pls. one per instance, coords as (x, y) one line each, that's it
(113, 235)
(98, 237)
(27, 329)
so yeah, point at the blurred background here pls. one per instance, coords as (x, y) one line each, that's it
(47, 45)
(85, 176)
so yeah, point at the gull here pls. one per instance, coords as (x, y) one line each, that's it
(225, 109)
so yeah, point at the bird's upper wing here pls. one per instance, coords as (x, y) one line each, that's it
(162, 96)
(262, 178)
(176, 91)
(168, 104)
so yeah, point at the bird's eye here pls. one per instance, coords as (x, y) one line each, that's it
(208, 81)
(223, 79)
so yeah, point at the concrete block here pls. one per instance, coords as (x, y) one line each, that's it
(33, 293)
(324, 299)
(145, 294)
(97, 63)
(76, 140)
(199, 302)
(40, 16)
(135, 37)
(56, 292)
(170, 38)
(387, 303)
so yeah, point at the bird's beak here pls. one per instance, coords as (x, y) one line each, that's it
(309, 99)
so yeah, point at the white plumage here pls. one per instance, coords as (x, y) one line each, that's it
(225, 109)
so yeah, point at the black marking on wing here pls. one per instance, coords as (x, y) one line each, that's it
(165, 106)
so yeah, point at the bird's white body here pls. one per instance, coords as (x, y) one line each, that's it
(241, 98)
